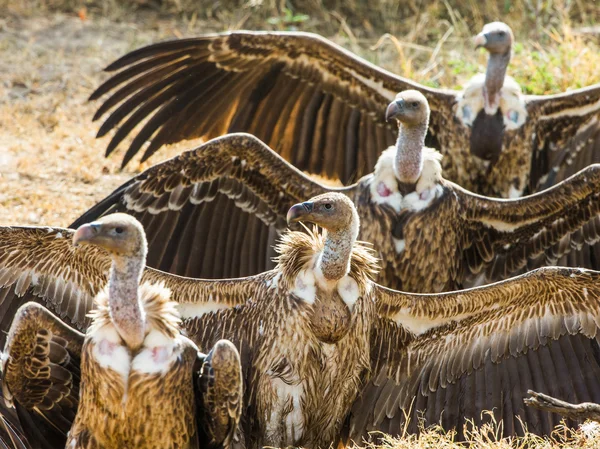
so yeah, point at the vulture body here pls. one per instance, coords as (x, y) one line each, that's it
(133, 369)
(320, 107)
(317, 334)
(214, 212)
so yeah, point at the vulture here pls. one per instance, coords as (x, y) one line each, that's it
(129, 382)
(214, 212)
(328, 355)
(320, 107)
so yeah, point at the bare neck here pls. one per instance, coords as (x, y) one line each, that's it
(124, 302)
(408, 163)
(335, 259)
(494, 80)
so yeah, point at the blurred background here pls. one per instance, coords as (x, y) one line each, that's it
(52, 54)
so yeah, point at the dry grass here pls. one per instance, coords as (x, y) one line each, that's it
(486, 437)
(52, 52)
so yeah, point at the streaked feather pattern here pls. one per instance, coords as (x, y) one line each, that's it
(452, 240)
(321, 107)
(438, 352)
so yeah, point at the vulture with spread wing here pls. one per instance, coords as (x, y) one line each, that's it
(327, 354)
(129, 382)
(214, 212)
(320, 107)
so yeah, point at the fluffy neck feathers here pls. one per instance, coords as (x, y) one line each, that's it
(124, 303)
(494, 80)
(408, 163)
(298, 249)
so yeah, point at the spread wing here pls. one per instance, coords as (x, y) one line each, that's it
(482, 349)
(42, 264)
(41, 373)
(566, 132)
(215, 211)
(318, 105)
(505, 236)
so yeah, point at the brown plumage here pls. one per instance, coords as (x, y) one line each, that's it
(450, 355)
(136, 372)
(320, 107)
(215, 212)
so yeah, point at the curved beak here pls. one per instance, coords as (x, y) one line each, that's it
(298, 212)
(480, 40)
(85, 233)
(394, 109)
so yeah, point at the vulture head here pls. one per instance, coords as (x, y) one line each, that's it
(332, 211)
(496, 37)
(119, 234)
(410, 108)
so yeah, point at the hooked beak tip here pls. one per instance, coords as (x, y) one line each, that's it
(392, 111)
(298, 211)
(85, 233)
(480, 41)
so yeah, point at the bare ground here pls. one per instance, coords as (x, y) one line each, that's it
(51, 166)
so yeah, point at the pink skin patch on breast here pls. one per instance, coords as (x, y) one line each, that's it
(105, 347)
(424, 195)
(383, 190)
(160, 354)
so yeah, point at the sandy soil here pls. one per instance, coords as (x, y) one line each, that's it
(51, 166)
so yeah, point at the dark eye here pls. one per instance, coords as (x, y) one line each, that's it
(328, 206)
(414, 104)
(119, 230)
(501, 33)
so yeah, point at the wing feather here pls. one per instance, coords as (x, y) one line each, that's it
(295, 91)
(493, 343)
(215, 211)
(540, 229)
(566, 134)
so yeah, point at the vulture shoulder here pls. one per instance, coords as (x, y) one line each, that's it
(566, 134)
(505, 236)
(315, 103)
(215, 211)
(450, 356)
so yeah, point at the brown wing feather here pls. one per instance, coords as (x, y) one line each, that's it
(215, 211)
(222, 394)
(43, 263)
(483, 347)
(506, 236)
(41, 373)
(300, 93)
(566, 133)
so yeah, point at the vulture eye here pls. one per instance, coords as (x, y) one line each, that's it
(501, 33)
(414, 104)
(328, 206)
(119, 230)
